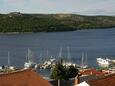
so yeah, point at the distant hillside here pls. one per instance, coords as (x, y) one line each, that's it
(17, 22)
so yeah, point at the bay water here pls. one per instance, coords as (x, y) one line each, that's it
(94, 43)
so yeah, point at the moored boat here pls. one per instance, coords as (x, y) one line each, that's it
(30, 63)
(103, 62)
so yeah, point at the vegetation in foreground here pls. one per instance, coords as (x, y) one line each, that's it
(64, 73)
(18, 22)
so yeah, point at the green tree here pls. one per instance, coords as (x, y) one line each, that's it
(72, 71)
(64, 72)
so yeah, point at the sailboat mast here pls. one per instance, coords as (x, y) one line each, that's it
(29, 55)
(60, 53)
(86, 59)
(60, 56)
(47, 57)
(8, 58)
(41, 58)
(82, 60)
(69, 56)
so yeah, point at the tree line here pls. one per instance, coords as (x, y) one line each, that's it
(52, 22)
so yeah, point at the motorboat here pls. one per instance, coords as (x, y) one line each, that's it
(103, 62)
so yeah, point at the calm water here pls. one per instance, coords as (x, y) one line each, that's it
(93, 42)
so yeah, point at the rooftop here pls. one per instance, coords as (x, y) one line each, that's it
(92, 72)
(105, 81)
(23, 78)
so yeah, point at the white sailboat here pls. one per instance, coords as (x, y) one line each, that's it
(9, 64)
(8, 67)
(68, 62)
(86, 64)
(84, 61)
(30, 63)
(49, 62)
(60, 55)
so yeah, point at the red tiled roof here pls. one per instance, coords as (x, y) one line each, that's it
(92, 72)
(23, 78)
(105, 81)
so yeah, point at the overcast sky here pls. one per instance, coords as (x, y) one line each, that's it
(89, 7)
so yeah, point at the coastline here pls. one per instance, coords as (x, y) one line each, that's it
(13, 33)
(10, 33)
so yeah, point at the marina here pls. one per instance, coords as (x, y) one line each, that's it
(69, 45)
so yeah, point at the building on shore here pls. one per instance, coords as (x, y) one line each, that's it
(108, 80)
(104, 81)
(92, 71)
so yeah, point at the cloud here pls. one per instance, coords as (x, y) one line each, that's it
(59, 6)
(13, 1)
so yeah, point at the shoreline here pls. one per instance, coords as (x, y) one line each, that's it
(10, 33)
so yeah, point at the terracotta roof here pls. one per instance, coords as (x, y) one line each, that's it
(105, 81)
(92, 72)
(23, 78)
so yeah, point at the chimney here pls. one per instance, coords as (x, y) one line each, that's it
(91, 73)
(76, 81)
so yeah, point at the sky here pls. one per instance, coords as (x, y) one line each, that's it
(83, 7)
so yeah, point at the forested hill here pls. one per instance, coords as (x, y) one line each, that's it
(18, 22)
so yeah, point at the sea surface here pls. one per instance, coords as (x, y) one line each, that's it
(94, 43)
